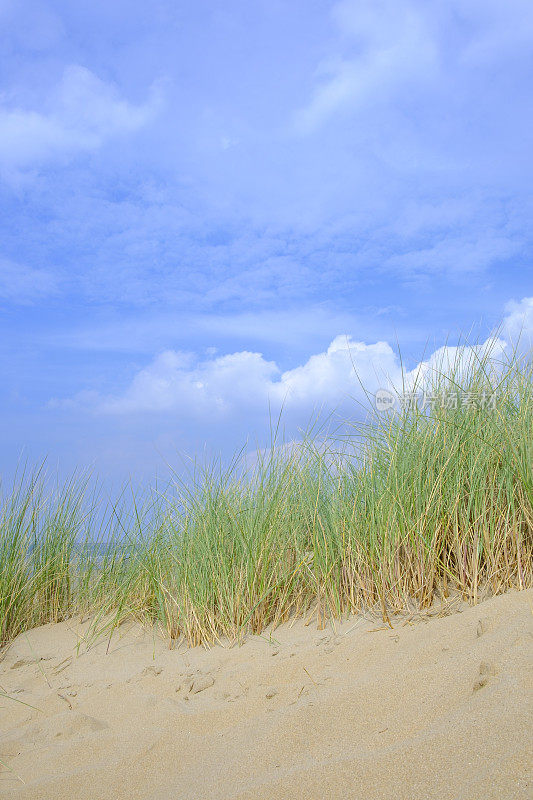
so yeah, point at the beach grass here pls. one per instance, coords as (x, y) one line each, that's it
(433, 500)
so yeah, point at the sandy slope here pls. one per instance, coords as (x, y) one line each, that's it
(435, 709)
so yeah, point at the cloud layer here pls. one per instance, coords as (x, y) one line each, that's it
(197, 198)
(80, 114)
(348, 370)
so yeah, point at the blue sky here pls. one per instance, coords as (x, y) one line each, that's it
(198, 199)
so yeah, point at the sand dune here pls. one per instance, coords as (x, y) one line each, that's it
(436, 708)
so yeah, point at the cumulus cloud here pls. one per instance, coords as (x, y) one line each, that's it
(348, 370)
(454, 361)
(243, 380)
(174, 382)
(222, 385)
(80, 115)
(515, 334)
(517, 326)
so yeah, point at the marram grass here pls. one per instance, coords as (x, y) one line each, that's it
(437, 501)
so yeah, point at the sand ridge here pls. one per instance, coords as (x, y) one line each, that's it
(435, 708)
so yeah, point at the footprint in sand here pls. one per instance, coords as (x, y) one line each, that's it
(152, 670)
(486, 672)
(233, 693)
(328, 642)
(84, 723)
(22, 662)
(201, 683)
(187, 682)
(66, 727)
(196, 684)
(26, 662)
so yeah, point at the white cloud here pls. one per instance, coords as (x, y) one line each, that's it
(384, 49)
(454, 255)
(82, 113)
(387, 44)
(21, 284)
(517, 326)
(174, 382)
(225, 385)
(456, 361)
(221, 386)
(514, 333)
(340, 372)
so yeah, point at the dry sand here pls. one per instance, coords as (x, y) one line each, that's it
(440, 708)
